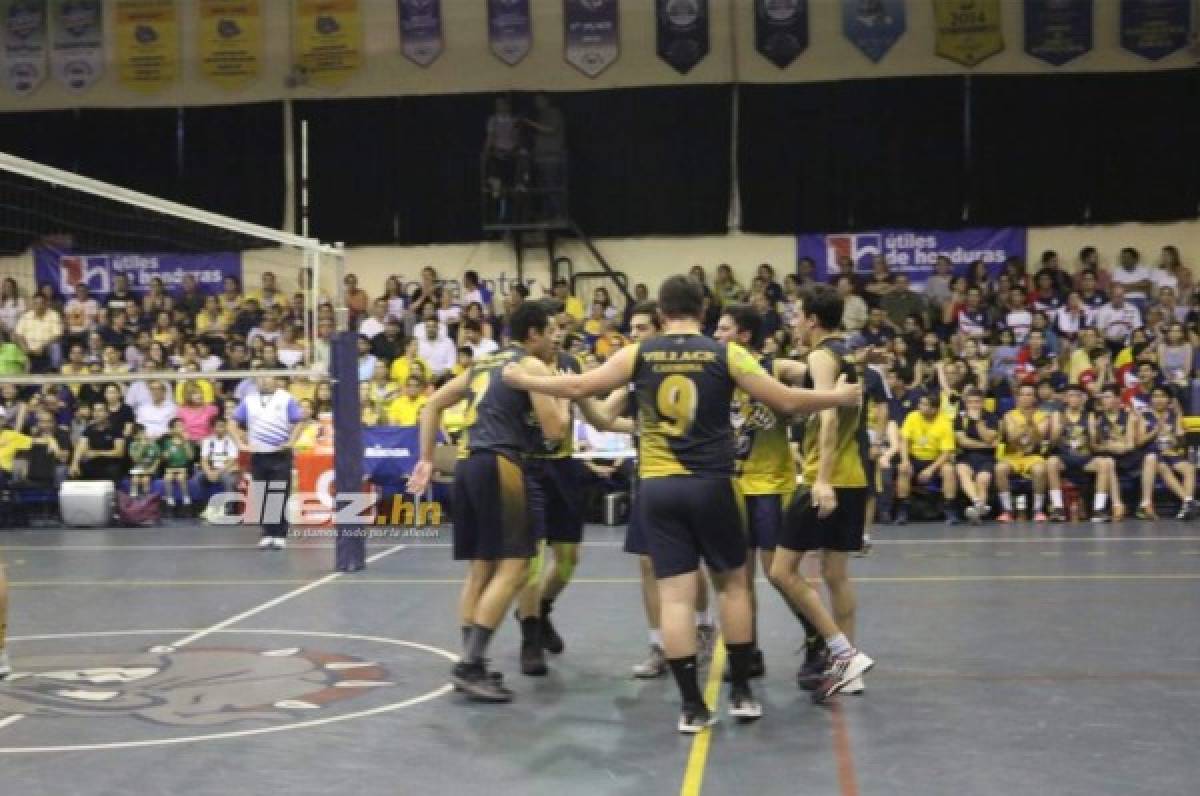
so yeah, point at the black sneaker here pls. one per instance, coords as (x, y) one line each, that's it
(902, 515)
(743, 706)
(494, 676)
(842, 671)
(478, 684)
(551, 641)
(1057, 515)
(695, 718)
(533, 660)
(758, 668)
(816, 661)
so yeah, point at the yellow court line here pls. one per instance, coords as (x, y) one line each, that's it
(693, 774)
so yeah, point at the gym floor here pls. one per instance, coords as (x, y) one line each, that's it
(1049, 659)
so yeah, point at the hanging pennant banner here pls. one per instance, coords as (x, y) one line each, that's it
(77, 42)
(1058, 31)
(229, 40)
(1155, 28)
(147, 44)
(421, 30)
(328, 40)
(591, 34)
(968, 31)
(510, 29)
(682, 32)
(780, 29)
(873, 26)
(24, 43)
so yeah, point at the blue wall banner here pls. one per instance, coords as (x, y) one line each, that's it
(65, 270)
(913, 252)
(421, 30)
(873, 26)
(781, 30)
(591, 34)
(510, 29)
(390, 452)
(1058, 31)
(681, 32)
(1155, 28)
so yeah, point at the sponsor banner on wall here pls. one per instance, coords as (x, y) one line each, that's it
(1058, 31)
(390, 452)
(24, 44)
(591, 34)
(781, 30)
(77, 42)
(913, 252)
(147, 36)
(230, 41)
(681, 32)
(1155, 28)
(510, 30)
(421, 30)
(873, 26)
(327, 40)
(968, 31)
(65, 270)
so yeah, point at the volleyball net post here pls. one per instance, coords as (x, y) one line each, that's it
(348, 452)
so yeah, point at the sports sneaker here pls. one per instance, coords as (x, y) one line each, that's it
(855, 687)
(1058, 515)
(743, 705)
(478, 684)
(5, 665)
(279, 544)
(902, 515)
(695, 718)
(533, 660)
(842, 670)
(1004, 517)
(1146, 513)
(1187, 511)
(654, 666)
(865, 550)
(972, 513)
(265, 543)
(816, 661)
(706, 640)
(1040, 516)
(551, 641)
(1100, 516)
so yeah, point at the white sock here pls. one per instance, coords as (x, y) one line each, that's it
(1056, 498)
(1039, 502)
(1099, 500)
(704, 618)
(655, 637)
(839, 645)
(1006, 501)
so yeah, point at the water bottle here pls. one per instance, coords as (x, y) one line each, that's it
(1021, 515)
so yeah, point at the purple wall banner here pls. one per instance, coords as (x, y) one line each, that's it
(510, 30)
(781, 30)
(873, 26)
(681, 31)
(421, 30)
(65, 270)
(1058, 31)
(913, 252)
(591, 34)
(1155, 28)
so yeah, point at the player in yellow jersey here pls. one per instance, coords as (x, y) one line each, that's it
(1023, 430)
(766, 473)
(685, 384)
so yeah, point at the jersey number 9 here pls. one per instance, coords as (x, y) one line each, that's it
(677, 399)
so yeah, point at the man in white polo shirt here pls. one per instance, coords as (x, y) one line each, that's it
(157, 413)
(264, 427)
(1117, 319)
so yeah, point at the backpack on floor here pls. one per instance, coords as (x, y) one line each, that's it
(138, 511)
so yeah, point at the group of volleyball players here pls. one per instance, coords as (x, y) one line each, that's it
(715, 489)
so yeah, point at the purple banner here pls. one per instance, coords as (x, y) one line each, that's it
(913, 252)
(510, 29)
(873, 26)
(65, 270)
(780, 30)
(421, 30)
(1155, 28)
(681, 32)
(591, 34)
(1058, 31)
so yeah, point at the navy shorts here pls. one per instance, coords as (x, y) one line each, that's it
(686, 519)
(1073, 466)
(554, 501)
(978, 462)
(842, 531)
(764, 519)
(491, 510)
(1172, 459)
(635, 531)
(935, 482)
(1130, 464)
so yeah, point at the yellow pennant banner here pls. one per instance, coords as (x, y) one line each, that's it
(147, 37)
(968, 31)
(327, 40)
(229, 41)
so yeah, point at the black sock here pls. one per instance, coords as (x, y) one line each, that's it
(741, 656)
(477, 642)
(547, 607)
(812, 639)
(531, 627)
(686, 677)
(466, 636)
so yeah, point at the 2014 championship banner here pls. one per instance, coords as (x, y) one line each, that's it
(65, 270)
(913, 252)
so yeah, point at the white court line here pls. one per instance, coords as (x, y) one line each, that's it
(233, 620)
(11, 720)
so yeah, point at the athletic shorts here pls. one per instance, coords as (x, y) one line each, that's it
(764, 519)
(871, 468)
(842, 531)
(934, 484)
(1022, 466)
(1130, 464)
(687, 519)
(635, 531)
(555, 506)
(979, 462)
(1171, 459)
(491, 511)
(1073, 466)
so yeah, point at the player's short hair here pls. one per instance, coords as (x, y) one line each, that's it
(650, 310)
(530, 316)
(823, 303)
(681, 297)
(746, 319)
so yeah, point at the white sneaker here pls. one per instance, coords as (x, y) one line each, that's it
(842, 670)
(855, 687)
(279, 544)
(5, 665)
(743, 705)
(695, 718)
(265, 543)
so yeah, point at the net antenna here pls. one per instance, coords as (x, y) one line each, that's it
(64, 228)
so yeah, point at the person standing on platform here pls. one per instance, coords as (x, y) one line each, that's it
(264, 426)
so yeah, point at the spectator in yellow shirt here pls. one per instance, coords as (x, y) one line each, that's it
(571, 304)
(926, 455)
(1023, 431)
(406, 409)
(409, 365)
